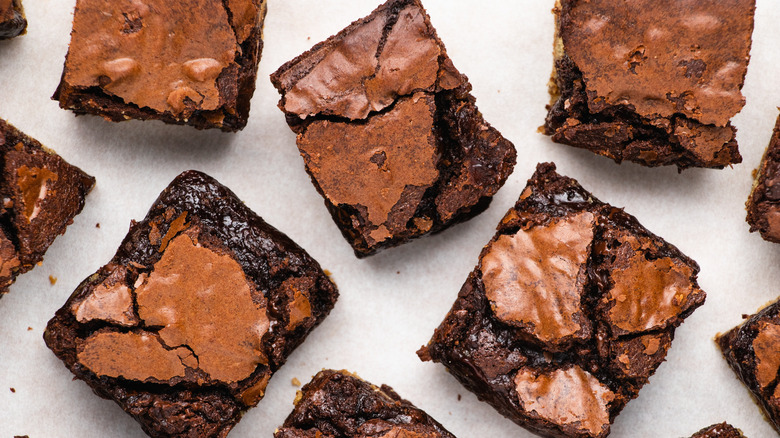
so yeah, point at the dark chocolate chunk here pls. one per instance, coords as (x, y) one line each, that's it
(721, 430)
(763, 205)
(571, 308)
(388, 131)
(41, 194)
(192, 63)
(654, 82)
(12, 20)
(753, 352)
(186, 351)
(339, 404)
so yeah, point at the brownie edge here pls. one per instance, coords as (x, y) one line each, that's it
(12, 20)
(763, 205)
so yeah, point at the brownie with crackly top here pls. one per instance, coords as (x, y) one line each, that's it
(653, 82)
(389, 131)
(192, 63)
(339, 404)
(41, 194)
(201, 304)
(571, 308)
(752, 350)
(720, 430)
(12, 20)
(763, 205)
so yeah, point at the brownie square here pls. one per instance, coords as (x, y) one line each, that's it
(721, 430)
(341, 404)
(388, 130)
(188, 63)
(655, 82)
(12, 20)
(752, 350)
(571, 308)
(201, 304)
(41, 194)
(763, 205)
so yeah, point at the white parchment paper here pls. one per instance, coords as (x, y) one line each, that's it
(391, 302)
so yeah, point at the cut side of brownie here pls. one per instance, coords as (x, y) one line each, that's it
(41, 194)
(721, 430)
(12, 20)
(388, 131)
(571, 308)
(655, 82)
(192, 63)
(201, 304)
(763, 205)
(753, 352)
(339, 404)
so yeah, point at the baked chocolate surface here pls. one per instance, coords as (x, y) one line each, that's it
(571, 308)
(12, 20)
(721, 430)
(192, 63)
(655, 82)
(41, 194)
(753, 352)
(338, 404)
(763, 205)
(388, 130)
(186, 351)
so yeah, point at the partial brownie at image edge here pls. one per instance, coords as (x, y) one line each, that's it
(12, 20)
(763, 205)
(41, 194)
(165, 61)
(720, 430)
(653, 82)
(752, 350)
(572, 307)
(341, 404)
(389, 132)
(187, 351)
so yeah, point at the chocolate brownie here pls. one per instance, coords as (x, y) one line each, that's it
(763, 205)
(571, 308)
(201, 304)
(753, 352)
(651, 81)
(41, 194)
(339, 404)
(12, 21)
(722, 430)
(388, 130)
(192, 63)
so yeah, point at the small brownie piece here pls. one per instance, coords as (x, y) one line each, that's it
(651, 81)
(571, 308)
(388, 131)
(338, 404)
(201, 304)
(722, 430)
(12, 21)
(753, 352)
(192, 62)
(763, 205)
(41, 194)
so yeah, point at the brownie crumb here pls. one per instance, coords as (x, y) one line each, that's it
(13, 390)
(295, 381)
(52, 280)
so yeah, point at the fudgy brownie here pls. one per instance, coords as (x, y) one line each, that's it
(201, 304)
(652, 81)
(763, 205)
(388, 131)
(339, 404)
(192, 63)
(12, 21)
(753, 352)
(41, 194)
(722, 430)
(571, 308)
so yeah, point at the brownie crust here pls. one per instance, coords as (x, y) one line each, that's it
(12, 20)
(670, 101)
(570, 310)
(389, 131)
(339, 404)
(763, 205)
(186, 352)
(721, 430)
(164, 61)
